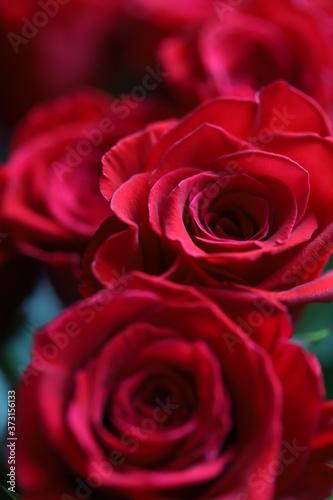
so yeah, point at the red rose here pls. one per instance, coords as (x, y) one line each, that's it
(149, 391)
(249, 44)
(233, 194)
(52, 199)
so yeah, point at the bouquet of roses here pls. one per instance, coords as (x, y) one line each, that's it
(168, 189)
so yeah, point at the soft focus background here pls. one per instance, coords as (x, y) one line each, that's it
(51, 47)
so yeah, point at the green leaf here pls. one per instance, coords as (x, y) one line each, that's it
(39, 308)
(315, 333)
(311, 337)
